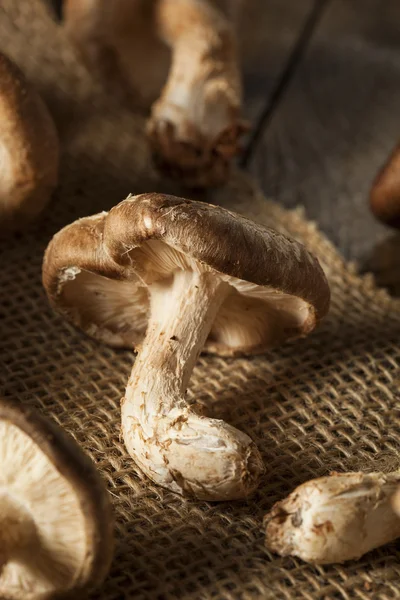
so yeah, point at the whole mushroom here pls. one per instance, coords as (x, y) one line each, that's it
(56, 526)
(335, 518)
(172, 277)
(29, 149)
(195, 125)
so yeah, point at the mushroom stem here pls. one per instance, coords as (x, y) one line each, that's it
(180, 322)
(16, 529)
(203, 52)
(200, 104)
(175, 447)
(335, 518)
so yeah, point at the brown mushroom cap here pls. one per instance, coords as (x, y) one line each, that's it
(96, 272)
(385, 192)
(60, 505)
(29, 150)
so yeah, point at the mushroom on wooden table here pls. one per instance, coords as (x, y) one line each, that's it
(335, 518)
(56, 526)
(172, 277)
(29, 149)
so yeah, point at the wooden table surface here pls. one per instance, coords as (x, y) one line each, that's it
(322, 93)
(322, 81)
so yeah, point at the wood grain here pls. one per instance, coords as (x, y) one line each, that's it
(337, 122)
(268, 31)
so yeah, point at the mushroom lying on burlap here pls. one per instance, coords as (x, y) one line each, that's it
(385, 191)
(172, 277)
(195, 125)
(56, 528)
(28, 149)
(335, 518)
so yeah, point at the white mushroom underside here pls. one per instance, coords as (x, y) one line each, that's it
(117, 311)
(57, 549)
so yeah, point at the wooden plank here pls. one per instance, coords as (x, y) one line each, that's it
(337, 122)
(268, 31)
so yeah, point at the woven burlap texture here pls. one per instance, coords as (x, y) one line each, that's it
(329, 402)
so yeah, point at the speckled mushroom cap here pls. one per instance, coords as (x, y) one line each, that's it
(97, 271)
(29, 149)
(56, 534)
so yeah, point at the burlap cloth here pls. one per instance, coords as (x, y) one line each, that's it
(329, 402)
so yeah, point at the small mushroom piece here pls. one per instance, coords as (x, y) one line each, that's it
(195, 126)
(28, 149)
(172, 277)
(56, 528)
(385, 192)
(335, 518)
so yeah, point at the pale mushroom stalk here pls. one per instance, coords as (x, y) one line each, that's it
(178, 327)
(195, 125)
(335, 518)
(160, 430)
(203, 64)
